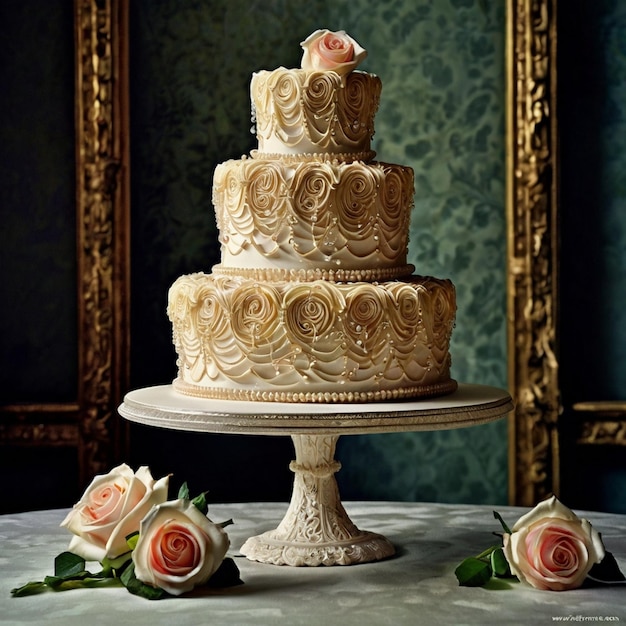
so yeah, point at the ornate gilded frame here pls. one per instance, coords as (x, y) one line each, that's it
(90, 423)
(532, 234)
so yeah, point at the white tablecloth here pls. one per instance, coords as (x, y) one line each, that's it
(417, 586)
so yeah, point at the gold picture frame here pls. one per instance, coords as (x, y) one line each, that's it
(90, 422)
(532, 242)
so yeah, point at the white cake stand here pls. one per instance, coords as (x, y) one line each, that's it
(316, 530)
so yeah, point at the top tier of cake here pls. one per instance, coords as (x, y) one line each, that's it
(326, 107)
(311, 202)
(301, 111)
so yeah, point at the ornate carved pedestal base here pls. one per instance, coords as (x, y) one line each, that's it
(316, 529)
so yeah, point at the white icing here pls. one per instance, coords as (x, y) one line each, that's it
(312, 214)
(300, 111)
(311, 337)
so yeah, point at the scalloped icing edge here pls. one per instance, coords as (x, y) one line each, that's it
(341, 397)
(366, 156)
(310, 275)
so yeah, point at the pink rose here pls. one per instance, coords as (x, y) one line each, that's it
(325, 50)
(111, 509)
(179, 547)
(551, 548)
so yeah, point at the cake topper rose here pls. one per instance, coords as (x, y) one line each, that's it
(327, 50)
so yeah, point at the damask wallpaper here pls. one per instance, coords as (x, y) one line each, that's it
(441, 112)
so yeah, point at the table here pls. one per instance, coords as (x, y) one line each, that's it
(316, 528)
(416, 586)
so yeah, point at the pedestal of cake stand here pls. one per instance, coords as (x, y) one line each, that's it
(316, 529)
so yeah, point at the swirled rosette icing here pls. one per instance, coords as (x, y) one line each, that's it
(317, 214)
(367, 331)
(255, 316)
(313, 326)
(300, 111)
(354, 101)
(441, 307)
(395, 194)
(356, 209)
(311, 194)
(255, 194)
(286, 340)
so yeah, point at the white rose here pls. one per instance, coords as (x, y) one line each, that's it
(112, 508)
(552, 548)
(179, 548)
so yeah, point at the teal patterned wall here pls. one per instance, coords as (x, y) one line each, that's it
(442, 113)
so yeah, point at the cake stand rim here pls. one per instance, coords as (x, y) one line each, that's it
(162, 407)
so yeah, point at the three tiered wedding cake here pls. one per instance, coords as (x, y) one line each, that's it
(313, 300)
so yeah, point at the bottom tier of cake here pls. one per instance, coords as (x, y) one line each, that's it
(242, 338)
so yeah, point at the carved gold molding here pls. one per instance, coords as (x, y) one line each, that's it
(42, 432)
(103, 224)
(601, 423)
(532, 249)
(90, 423)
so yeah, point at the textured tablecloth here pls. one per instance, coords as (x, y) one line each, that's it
(417, 586)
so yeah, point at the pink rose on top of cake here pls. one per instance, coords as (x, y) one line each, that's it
(111, 509)
(327, 50)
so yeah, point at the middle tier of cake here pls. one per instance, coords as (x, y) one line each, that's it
(261, 336)
(315, 212)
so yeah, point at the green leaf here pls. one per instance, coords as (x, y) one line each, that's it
(83, 582)
(136, 587)
(68, 564)
(29, 589)
(132, 539)
(504, 525)
(112, 568)
(70, 573)
(226, 575)
(473, 572)
(200, 503)
(183, 492)
(499, 564)
(54, 582)
(607, 572)
(501, 584)
(486, 554)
